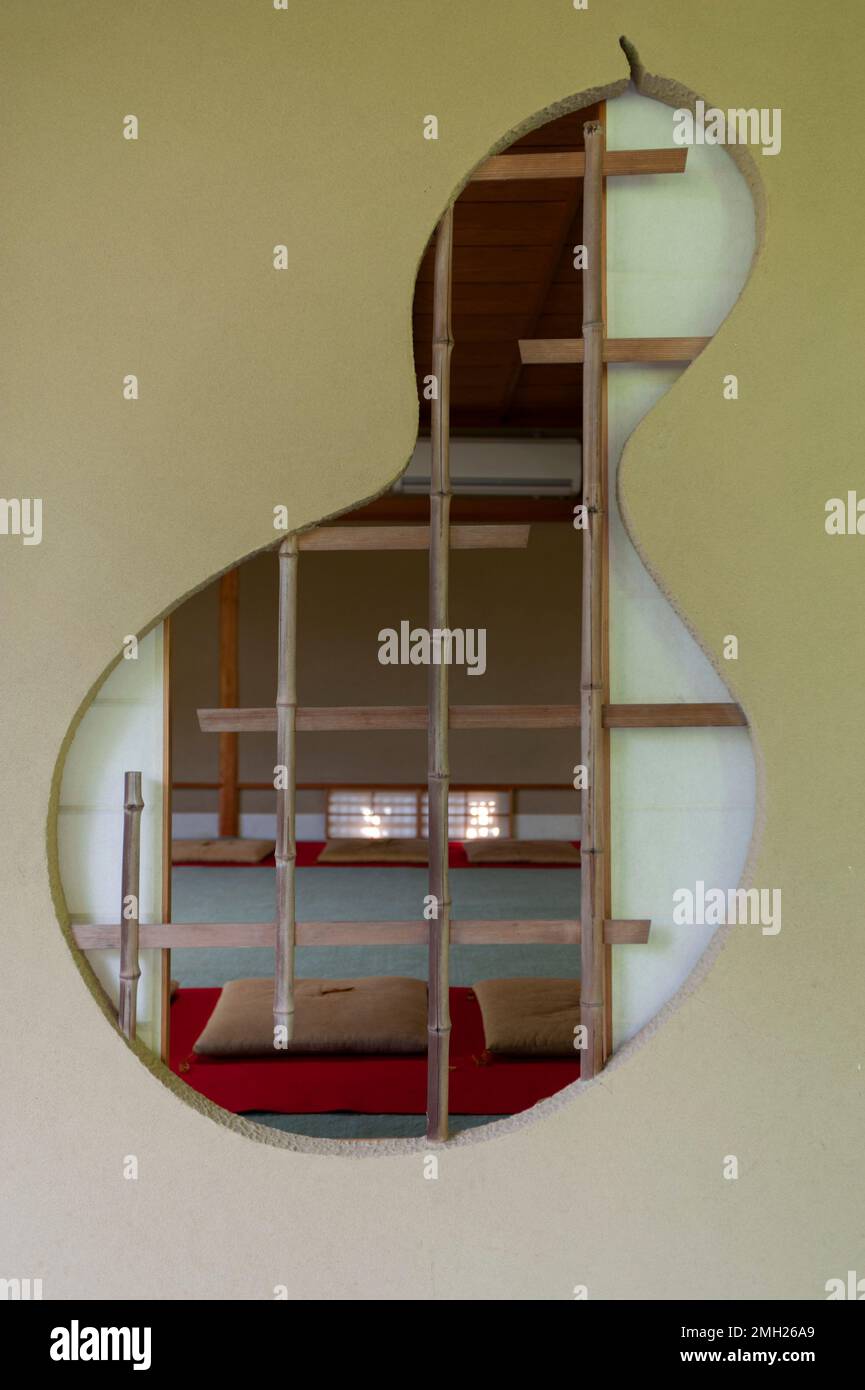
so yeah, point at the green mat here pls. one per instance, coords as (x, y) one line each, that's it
(356, 895)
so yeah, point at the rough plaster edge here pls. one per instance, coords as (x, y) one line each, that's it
(672, 94)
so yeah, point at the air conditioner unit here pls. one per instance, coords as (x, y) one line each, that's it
(503, 467)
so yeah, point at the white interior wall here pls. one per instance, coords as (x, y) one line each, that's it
(121, 731)
(678, 252)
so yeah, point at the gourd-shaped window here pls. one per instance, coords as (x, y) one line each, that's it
(499, 759)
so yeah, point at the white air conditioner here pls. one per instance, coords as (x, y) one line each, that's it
(501, 467)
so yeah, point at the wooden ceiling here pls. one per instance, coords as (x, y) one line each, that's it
(513, 277)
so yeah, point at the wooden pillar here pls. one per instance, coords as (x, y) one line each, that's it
(229, 586)
(593, 664)
(129, 904)
(286, 850)
(438, 770)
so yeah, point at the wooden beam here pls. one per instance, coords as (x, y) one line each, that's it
(376, 718)
(382, 786)
(717, 716)
(372, 718)
(396, 507)
(571, 164)
(438, 765)
(285, 848)
(128, 930)
(412, 538)
(94, 936)
(568, 351)
(228, 698)
(625, 932)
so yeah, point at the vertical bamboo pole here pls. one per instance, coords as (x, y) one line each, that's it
(129, 905)
(592, 873)
(438, 770)
(605, 649)
(229, 586)
(165, 955)
(286, 851)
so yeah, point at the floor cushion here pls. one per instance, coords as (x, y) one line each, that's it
(383, 1013)
(387, 850)
(529, 1018)
(495, 851)
(227, 851)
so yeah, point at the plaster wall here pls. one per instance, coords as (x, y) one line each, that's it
(304, 127)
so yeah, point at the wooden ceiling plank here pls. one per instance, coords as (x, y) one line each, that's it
(569, 227)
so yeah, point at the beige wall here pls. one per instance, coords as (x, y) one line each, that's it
(528, 600)
(260, 127)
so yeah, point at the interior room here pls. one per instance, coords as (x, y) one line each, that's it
(300, 774)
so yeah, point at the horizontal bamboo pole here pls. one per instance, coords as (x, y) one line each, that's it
(571, 164)
(469, 537)
(567, 351)
(95, 936)
(340, 718)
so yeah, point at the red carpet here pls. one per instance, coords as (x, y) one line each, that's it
(309, 850)
(317, 1084)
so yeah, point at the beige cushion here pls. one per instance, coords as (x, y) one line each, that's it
(220, 851)
(530, 1018)
(367, 851)
(385, 1013)
(489, 851)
